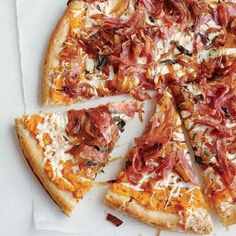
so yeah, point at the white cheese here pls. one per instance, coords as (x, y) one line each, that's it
(198, 219)
(226, 208)
(138, 186)
(89, 62)
(54, 126)
(229, 51)
(231, 157)
(142, 60)
(192, 88)
(178, 136)
(185, 114)
(211, 175)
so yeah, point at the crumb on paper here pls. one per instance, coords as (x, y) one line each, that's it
(114, 220)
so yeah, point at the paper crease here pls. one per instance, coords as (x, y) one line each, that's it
(19, 51)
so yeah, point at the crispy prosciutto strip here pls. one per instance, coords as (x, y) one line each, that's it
(96, 126)
(128, 108)
(102, 119)
(155, 8)
(228, 170)
(222, 14)
(114, 220)
(155, 154)
(165, 167)
(202, 19)
(198, 7)
(187, 169)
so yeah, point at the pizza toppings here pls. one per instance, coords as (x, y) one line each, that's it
(121, 47)
(77, 144)
(158, 173)
(210, 123)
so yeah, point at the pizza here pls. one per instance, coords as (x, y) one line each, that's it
(184, 50)
(158, 185)
(102, 48)
(208, 110)
(66, 151)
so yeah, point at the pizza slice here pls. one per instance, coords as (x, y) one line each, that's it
(158, 185)
(208, 109)
(66, 151)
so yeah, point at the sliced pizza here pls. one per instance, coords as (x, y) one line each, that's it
(208, 109)
(102, 48)
(66, 151)
(158, 185)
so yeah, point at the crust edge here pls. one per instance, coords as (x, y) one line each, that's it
(56, 40)
(33, 155)
(227, 216)
(157, 219)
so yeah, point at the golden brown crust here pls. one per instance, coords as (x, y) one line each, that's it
(227, 213)
(34, 156)
(157, 219)
(51, 58)
(131, 207)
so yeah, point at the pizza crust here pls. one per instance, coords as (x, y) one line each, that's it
(55, 43)
(156, 219)
(34, 156)
(227, 213)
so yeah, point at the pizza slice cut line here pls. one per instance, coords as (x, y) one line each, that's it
(158, 185)
(66, 151)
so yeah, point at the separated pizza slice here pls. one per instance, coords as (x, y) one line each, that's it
(66, 151)
(158, 185)
(209, 113)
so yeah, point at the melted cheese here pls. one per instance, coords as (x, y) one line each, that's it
(197, 219)
(211, 175)
(54, 126)
(226, 208)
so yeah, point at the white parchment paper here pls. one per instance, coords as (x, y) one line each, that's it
(36, 21)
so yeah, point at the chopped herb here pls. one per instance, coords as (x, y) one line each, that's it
(191, 27)
(65, 89)
(101, 149)
(199, 160)
(183, 50)
(207, 153)
(66, 139)
(91, 163)
(170, 61)
(199, 97)
(127, 164)
(158, 145)
(151, 19)
(225, 110)
(98, 7)
(102, 61)
(121, 124)
(204, 38)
